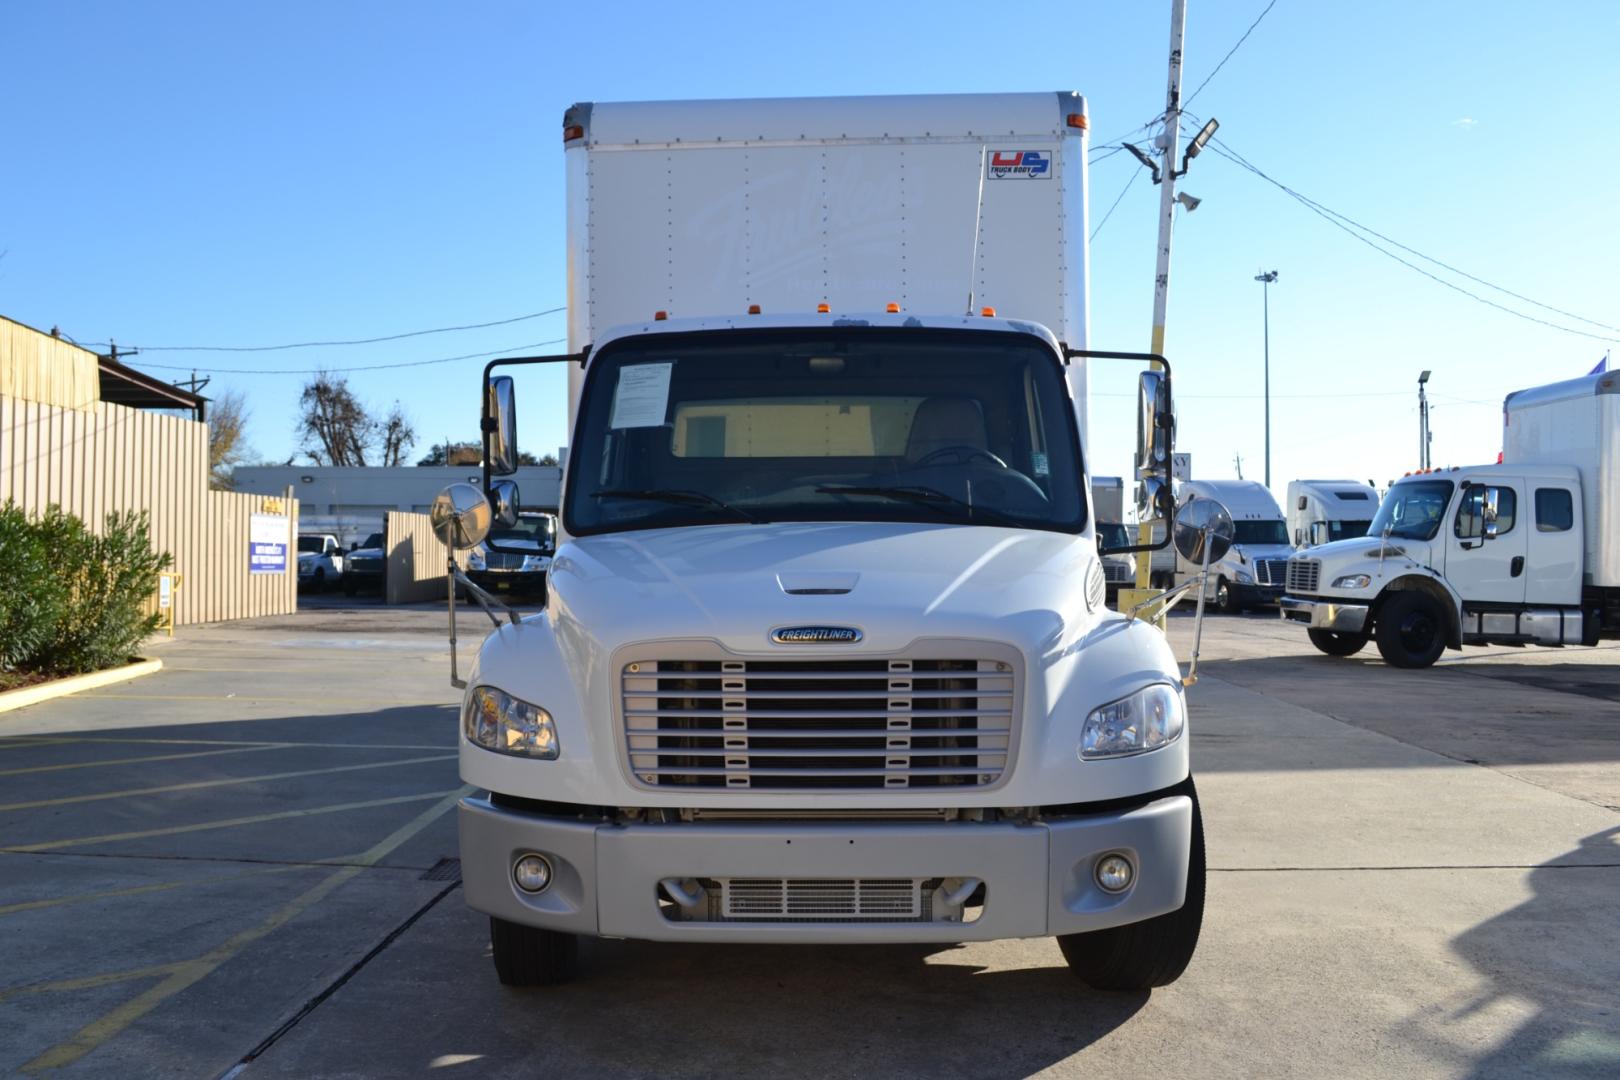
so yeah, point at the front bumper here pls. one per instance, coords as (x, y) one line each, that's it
(1255, 595)
(513, 581)
(1341, 616)
(1037, 877)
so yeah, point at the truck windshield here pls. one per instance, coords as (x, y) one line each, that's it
(312, 543)
(1347, 530)
(1111, 534)
(1259, 532)
(855, 424)
(1412, 511)
(534, 529)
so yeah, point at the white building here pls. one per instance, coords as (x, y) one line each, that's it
(363, 495)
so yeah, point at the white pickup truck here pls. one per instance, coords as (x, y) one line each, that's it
(320, 561)
(1526, 552)
(825, 656)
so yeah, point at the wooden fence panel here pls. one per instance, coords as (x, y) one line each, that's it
(107, 458)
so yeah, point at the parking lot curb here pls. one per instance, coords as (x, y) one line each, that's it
(73, 684)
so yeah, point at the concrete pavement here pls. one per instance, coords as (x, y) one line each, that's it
(1412, 873)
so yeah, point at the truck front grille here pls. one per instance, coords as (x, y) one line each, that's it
(807, 725)
(1304, 575)
(1117, 573)
(822, 899)
(1270, 571)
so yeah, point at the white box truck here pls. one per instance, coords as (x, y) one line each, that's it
(1322, 511)
(1252, 572)
(1525, 552)
(825, 657)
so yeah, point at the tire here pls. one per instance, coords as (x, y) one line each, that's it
(1150, 953)
(320, 579)
(530, 956)
(1337, 642)
(1411, 630)
(1226, 601)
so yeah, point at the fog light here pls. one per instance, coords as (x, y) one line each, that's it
(533, 873)
(1115, 873)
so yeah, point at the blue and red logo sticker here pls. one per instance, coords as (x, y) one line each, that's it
(1019, 164)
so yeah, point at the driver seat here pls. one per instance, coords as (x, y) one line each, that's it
(945, 421)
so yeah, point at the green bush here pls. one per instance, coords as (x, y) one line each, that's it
(74, 601)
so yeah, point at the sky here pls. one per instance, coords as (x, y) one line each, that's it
(245, 175)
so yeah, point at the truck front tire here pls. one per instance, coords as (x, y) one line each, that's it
(1226, 598)
(1411, 630)
(530, 956)
(1336, 642)
(1150, 953)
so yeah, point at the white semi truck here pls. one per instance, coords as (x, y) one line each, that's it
(1525, 552)
(1251, 573)
(1108, 507)
(1322, 511)
(825, 657)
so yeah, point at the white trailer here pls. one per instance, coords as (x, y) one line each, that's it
(1524, 552)
(1322, 511)
(819, 661)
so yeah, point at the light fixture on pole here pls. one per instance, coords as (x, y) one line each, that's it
(1266, 278)
(1423, 420)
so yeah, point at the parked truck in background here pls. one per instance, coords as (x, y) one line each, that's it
(1108, 506)
(1252, 572)
(1322, 511)
(320, 560)
(1525, 552)
(825, 657)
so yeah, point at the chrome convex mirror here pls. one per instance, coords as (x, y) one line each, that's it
(501, 438)
(1152, 424)
(1203, 531)
(461, 516)
(1490, 510)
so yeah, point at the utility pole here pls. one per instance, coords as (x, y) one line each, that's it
(1266, 277)
(1424, 435)
(1237, 460)
(1169, 142)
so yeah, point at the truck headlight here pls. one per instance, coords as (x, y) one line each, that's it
(500, 722)
(1243, 578)
(1352, 581)
(533, 564)
(1150, 718)
(475, 559)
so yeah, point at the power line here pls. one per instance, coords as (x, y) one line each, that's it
(346, 370)
(1229, 53)
(354, 341)
(1351, 227)
(1137, 172)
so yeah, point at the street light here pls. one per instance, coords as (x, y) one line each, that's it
(1266, 277)
(1423, 420)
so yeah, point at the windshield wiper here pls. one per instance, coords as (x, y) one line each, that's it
(678, 497)
(919, 496)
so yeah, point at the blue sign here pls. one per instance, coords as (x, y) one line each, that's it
(267, 544)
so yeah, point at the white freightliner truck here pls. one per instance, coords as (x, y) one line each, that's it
(825, 657)
(1525, 552)
(1252, 571)
(1108, 508)
(1322, 511)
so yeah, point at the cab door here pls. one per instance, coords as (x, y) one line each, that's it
(1488, 571)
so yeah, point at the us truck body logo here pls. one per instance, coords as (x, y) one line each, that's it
(1019, 165)
(816, 635)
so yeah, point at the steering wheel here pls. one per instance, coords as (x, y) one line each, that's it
(964, 454)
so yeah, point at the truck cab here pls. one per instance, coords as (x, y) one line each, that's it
(1485, 555)
(1251, 573)
(1322, 511)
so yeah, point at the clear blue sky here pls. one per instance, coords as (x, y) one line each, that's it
(253, 174)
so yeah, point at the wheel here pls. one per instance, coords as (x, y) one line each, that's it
(1225, 599)
(1336, 642)
(530, 956)
(320, 579)
(1411, 630)
(1150, 953)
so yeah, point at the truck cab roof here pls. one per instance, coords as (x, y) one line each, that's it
(1478, 473)
(1245, 500)
(810, 320)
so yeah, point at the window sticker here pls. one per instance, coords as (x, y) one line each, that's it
(1038, 460)
(642, 396)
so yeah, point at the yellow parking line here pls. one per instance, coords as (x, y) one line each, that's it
(138, 890)
(89, 982)
(225, 782)
(227, 823)
(15, 742)
(133, 760)
(189, 972)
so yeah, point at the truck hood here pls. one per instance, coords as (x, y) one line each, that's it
(1343, 553)
(1255, 552)
(893, 582)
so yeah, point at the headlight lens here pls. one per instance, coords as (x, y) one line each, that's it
(535, 563)
(475, 559)
(1243, 578)
(1352, 581)
(500, 722)
(1150, 718)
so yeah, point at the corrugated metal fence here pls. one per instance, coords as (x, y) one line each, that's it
(101, 458)
(416, 560)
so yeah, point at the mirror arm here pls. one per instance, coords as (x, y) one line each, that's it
(1167, 423)
(485, 600)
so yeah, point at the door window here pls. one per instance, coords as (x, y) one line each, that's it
(1470, 523)
(1555, 510)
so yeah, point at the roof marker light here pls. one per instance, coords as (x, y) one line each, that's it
(660, 316)
(753, 309)
(1077, 120)
(823, 309)
(893, 308)
(987, 312)
(572, 132)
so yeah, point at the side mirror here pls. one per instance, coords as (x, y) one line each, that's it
(1153, 499)
(1152, 424)
(1319, 533)
(1490, 506)
(503, 495)
(500, 418)
(1203, 531)
(461, 516)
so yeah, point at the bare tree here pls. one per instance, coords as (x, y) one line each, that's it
(227, 443)
(397, 437)
(335, 428)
